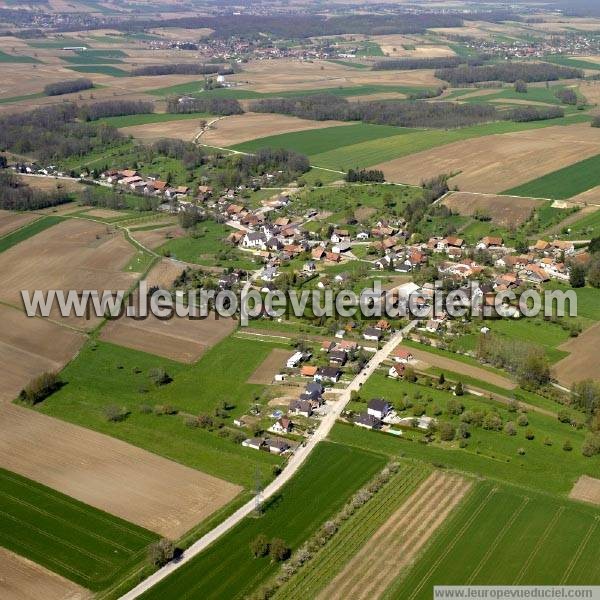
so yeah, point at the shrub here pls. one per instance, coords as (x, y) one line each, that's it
(161, 552)
(159, 376)
(259, 546)
(447, 432)
(40, 388)
(529, 434)
(279, 550)
(567, 446)
(522, 420)
(115, 414)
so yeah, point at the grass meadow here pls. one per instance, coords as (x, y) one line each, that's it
(81, 543)
(101, 70)
(105, 374)
(146, 119)
(321, 487)
(14, 58)
(24, 233)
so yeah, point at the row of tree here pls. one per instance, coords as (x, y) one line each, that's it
(16, 195)
(177, 69)
(114, 108)
(215, 106)
(524, 114)
(507, 72)
(68, 87)
(365, 176)
(408, 64)
(270, 160)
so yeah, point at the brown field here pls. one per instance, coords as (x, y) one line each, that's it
(586, 489)
(103, 213)
(153, 238)
(51, 184)
(266, 371)
(591, 91)
(29, 347)
(395, 546)
(184, 129)
(164, 273)
(392, 45)
(179, 339)
(126, 481)
(77, 254)
(9, 221)
(21, 579)
(505, 211)
(382, 96)
(428, 359)
(582, 362)
(498, 162)
(241, 128)
(591, 197)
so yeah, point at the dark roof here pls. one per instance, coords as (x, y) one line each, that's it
(314, 387)
(378, 404)
(368, 420)
(329, 372)
(372, 332)
(338, 356)
(278, 443)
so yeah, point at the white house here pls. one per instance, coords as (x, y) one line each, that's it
(378, 408)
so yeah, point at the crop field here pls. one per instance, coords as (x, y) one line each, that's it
(9, 221)
(587, 226)
(18, 227)
(103, 373)
(78, 254)
(273, 364)
(101, 70)
(577, 63)
(493, 164)
(81, 543)
(324, 140)
(398, 542)
(582, 361)
(150, 118)
(353, 534)
(533, 96)
(503, 211)
(183, 129)
(503, 535)
(563, 183)
(234, 130)
(319, 489)
(14, 58)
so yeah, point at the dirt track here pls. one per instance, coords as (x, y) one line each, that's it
(21, 579)
(104, 472)
(397, 543)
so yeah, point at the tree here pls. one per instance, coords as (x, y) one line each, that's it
(577, 276)
(259, 546)
(410, 375)
(567, 446)
(594, 271)
(40, 388)
(161, 552)
(447, 431)
(591, 445)
(159, 376)
(442, 379)
(510, 428)
(458, 389)
(279, 550)
(520, 87)
(535, 370)
(522, 420)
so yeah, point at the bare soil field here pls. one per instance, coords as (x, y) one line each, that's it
(73, 255)
(103, 213)
(503, 210)
(582, 362)
(9, 221)
(428, 359)
(393, 46)
(131, 483)
(586, 489)
(266, 371)
(591, 197)
(51, 184)
(184, 129)
(591, 91)
(397, 543)
(382, 96)
(29, 347)
(21, 579)
(249, 126)
(153, 238)
(179, 339)
(164, 273)
(498, 162)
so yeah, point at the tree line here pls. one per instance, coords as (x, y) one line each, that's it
(52, 132)
(177, 69)
(17, 195)
(365, 176)
(215, 106)
(409, 64)
(68, 87)
(507, 72)
(524, 114)
(114, 108)
(270, 160)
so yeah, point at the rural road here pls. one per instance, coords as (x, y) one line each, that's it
(294, 463)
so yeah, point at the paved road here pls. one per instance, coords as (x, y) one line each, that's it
(294, 463)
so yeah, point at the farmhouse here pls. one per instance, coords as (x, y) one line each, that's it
(396, 371)
(277, 445)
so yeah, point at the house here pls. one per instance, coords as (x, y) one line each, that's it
(372, 334)
(308, 371)
(379, 408)
(330, 374)
(327, 346)
(314, 389)
(318, 253)
(402, 355)
(269, 274)
(490, 243)
(254, 239)
(301, 407)
(338, 357)
(333, 257)
(283, 425)
(254, 443)
(396, 371)
(309, 267)
(294, 360)
(362, 235)
(340, 235)
(277, 445)
(433, 326)
(341, 247)
(367, 421)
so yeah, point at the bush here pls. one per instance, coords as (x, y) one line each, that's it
(40, 388)
(161, 552)
(115, 414)
(529, 434)
(522, 420)
(159, 376)
(447, 432)
(279, 550)
(510, 428)
(259, 546)
(567, 446)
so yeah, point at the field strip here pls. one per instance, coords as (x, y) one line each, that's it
(398, 540)
(450, 547)
(490, 195)
(539, 544)
(579, 551)
(497, 541)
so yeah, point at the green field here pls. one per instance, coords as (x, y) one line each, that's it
(503, 536)
(105, 374)
(347, 63)
(57, 43)
(321, 487)
(20, 235)
(369, 49)
(534, 94)
(315, 141)
(101, 69)
(16, 99)
(13, 58)
(145, 119)
(577, 63)
(353, 534)
(81, 543)
(564, 183)
(587, 227)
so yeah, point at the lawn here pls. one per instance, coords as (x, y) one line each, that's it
(13, 58)
(227, 569)
(587, 227)
(316, 141)
(24, 233)
(145, 119)
(564, 183)
(104, 374)
(533, 94)
(503, 536)
(353, 534)
(101, 69)
(81, 543)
